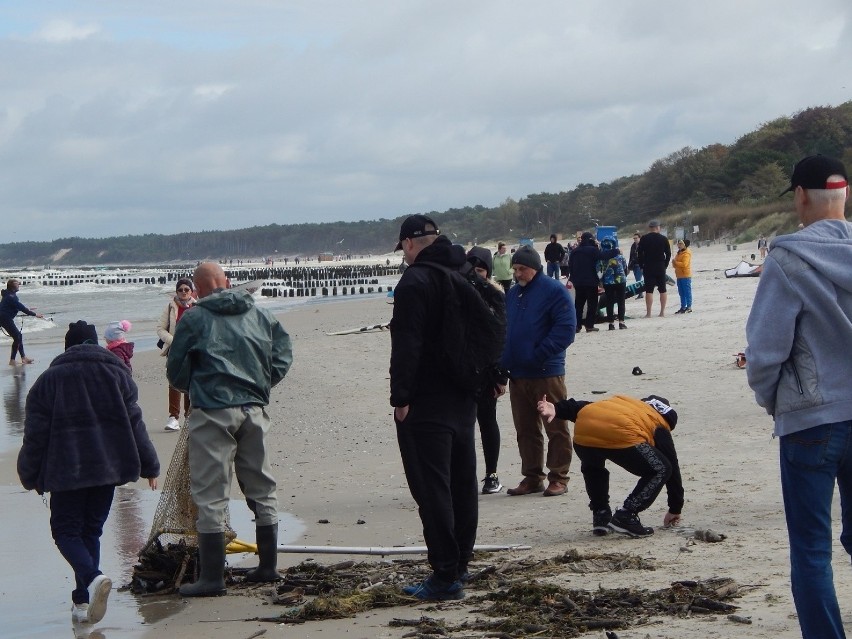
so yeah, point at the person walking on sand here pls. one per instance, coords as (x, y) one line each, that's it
(434, 417)
(83, 436)
(228, 354)
(799, 335)
(682, 263)
(10, 306)
(762, 246)
(494, 386)
(633, 261)
(541, 325)
(181, 301)
(631, 433)
(503, 266)
(653, 256)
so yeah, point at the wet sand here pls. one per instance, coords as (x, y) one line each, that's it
(336, 459)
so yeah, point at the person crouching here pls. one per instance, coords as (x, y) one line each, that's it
(634, 434)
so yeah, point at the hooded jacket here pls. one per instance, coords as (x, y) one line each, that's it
(416, 371)
(11, 306)
(682, 263)
(540, 326)
(799, 331)
(226, 352)
(83, 426)
(583, 263)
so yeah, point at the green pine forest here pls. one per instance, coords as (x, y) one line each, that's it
(729, 192)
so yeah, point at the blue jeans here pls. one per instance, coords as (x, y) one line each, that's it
(637, 273)
(684, 291)
(812, 461)
(76, 521)
(553, 270)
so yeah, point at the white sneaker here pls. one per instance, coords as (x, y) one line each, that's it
(80, 613)
(98, 595)
(172, 424)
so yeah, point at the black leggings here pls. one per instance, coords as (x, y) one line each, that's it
(489, 430)
(8, 324)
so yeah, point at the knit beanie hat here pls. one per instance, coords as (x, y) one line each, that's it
(527, 256)
(117, 330)
(80, 333)
(184, 281)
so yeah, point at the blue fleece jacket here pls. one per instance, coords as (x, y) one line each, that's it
(541, 324)
(799, 331)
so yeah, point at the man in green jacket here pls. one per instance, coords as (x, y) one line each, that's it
(228, 354)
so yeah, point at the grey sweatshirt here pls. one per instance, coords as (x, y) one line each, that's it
(799, 331)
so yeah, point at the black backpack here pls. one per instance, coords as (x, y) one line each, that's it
(473, 329)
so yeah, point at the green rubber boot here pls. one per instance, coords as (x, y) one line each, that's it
(267, 550)
(211, 559)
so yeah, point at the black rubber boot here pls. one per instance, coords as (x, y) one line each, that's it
(211, 559)
(267, 550)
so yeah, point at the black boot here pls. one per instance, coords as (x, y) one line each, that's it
(267, 550)
(211, 559)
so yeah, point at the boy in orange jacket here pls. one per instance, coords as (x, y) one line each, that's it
(634, 434)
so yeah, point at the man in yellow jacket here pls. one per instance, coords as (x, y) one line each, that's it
(634, 434)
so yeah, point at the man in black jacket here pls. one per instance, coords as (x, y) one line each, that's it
(434, 418)
(553, 254)
(654, 254)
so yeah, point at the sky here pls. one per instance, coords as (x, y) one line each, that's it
(134, 117)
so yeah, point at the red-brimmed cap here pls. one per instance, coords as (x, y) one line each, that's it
(813, 172)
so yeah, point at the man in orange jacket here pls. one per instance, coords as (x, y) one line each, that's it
(634, 434)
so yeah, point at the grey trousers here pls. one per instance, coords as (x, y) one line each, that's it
(222, 441)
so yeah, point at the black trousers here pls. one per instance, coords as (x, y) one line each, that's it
(439, 458)
(583, 296)
(615, 296)
(489, 430)
(643, 460)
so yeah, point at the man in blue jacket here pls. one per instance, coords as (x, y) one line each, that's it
(541, 323)
(799, 336)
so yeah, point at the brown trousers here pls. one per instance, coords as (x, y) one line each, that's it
(174, 403)
(524, 394)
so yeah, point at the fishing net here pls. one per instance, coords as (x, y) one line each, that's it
(176, 513)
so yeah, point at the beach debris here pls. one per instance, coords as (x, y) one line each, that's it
(740, 360)
(323, 521)
(637, 371)
(709, 535)
(739, 619)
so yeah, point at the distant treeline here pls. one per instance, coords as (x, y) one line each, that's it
(715, 184)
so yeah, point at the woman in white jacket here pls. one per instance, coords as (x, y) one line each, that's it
(182, 300)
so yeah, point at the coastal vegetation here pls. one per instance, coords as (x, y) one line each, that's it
(729, 192)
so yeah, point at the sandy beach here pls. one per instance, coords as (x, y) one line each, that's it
(335, 456)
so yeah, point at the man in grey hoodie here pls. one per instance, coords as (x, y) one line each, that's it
(799, 337)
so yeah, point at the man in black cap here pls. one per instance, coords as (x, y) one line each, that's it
(636, 435)
(434, 417)
(541, 323)
(799, 335)
(653, 256)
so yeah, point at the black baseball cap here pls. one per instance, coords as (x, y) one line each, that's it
(415, 226)
(813, 172)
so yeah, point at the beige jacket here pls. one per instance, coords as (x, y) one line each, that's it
(167, 324)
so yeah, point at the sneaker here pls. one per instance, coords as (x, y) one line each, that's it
(491, 484)
(628, 523)
(622, 326)
(98, 595)
(688, 309)
(680, 312)
(172, 424)
(592, 329)
(434, 590)
(80, 613)
(27, 360)
(612, 327)
(600, 522)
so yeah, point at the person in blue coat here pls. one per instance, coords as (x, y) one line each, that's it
(541, 324)
(584, 276)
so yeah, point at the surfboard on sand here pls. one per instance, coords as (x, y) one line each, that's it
(363, 329)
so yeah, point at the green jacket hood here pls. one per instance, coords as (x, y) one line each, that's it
(227, 302)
